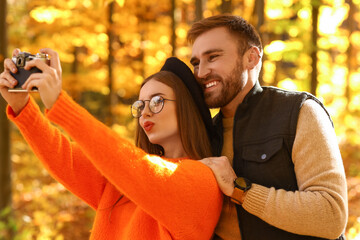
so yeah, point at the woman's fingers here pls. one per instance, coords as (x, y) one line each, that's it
(37, 63)
(5, 83)
(33, 83)
(40, 80)
(9, 65)
(48, 81)
(34, 76)
(16, 52)
(7, 80)
(54, 59)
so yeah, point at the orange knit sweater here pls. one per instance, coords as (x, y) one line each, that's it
(163, 198)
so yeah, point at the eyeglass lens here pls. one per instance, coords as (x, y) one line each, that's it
(156, 104)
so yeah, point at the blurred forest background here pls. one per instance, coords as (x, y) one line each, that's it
(107, 47)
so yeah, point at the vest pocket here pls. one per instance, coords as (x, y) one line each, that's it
(269, 164)
(262, 152)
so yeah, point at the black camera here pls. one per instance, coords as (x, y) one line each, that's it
(22, 75)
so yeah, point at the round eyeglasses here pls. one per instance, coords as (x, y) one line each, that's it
(156, 104)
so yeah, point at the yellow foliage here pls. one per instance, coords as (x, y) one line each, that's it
(355, 38)
(120, 2)
(181, 32)
(304, 13)
(331, 18)
(301, 74)
(288, 84)
(78, 30)
(274, 50)
(277, 9)
(355, 82)
(354, 105)
(338, 77)
(270, 68)
(48, 14)
(334, 105)
(275, 46)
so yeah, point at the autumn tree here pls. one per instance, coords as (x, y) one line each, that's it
(5, 163)
(314, 62)
(5, 183)
(108, 47)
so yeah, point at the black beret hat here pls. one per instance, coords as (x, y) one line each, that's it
(180, 69)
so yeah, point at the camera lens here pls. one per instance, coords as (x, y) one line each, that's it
(19, 62)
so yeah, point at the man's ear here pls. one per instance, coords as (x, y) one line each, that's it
(253, 57)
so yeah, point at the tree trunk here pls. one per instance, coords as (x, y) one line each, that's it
(259, 12)
(226, 6)
(315, 35)
(111, 96)
(5, 163)
(5, 184)
(351, 61)
(173, 28)
(198, 10)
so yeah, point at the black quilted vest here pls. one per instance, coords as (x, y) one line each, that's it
(264, 132)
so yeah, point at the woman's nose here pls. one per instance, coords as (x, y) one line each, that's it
(146, 112)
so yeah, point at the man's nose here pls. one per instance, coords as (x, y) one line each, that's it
(202, 71)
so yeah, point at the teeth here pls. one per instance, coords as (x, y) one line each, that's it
(211, 84)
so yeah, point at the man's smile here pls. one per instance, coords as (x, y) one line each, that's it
(211, 84)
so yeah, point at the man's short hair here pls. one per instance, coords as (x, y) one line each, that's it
(236, 25)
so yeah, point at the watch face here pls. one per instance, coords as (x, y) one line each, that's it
(242, 183)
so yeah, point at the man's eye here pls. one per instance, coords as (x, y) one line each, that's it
(212, 57)
(195, 64)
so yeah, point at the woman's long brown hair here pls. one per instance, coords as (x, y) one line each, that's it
(192, 130)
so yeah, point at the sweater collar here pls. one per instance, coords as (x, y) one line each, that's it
(250, 96)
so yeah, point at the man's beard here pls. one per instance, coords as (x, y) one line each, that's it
(232, 85)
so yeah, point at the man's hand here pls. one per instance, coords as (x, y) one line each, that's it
(223, 171)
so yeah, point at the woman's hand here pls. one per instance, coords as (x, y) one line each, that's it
(17, 101)
(49, 82)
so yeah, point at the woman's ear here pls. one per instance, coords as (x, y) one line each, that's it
(253, 57)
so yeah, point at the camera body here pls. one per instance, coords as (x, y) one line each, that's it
(22, 75)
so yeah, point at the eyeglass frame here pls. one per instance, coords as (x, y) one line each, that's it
(144, 105)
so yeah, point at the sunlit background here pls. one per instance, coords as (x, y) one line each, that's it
(108, 47)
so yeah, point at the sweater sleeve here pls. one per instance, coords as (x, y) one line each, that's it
(319, 207)
(63, 159)
(178, 195)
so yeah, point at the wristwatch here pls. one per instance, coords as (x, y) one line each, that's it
(241, 185)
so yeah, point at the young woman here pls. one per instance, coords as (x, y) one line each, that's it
(153, 191)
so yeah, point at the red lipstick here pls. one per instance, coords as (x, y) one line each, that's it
(148, 125)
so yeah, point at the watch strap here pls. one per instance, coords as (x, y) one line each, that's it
(238, 196)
